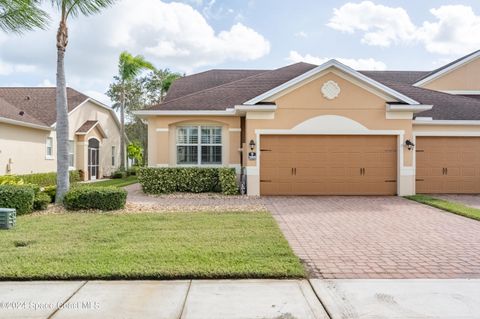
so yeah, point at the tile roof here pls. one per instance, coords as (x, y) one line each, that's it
(36, 104)
(86, 127)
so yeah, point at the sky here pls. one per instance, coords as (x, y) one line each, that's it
(191, 36)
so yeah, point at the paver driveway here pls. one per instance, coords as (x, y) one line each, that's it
(378, 237)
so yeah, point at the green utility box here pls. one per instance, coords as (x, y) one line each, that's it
(8, 217)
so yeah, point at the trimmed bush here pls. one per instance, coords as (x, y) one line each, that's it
(51, 191)
(228, 181)
(11, 180)
(132, 171)
(119, 174)
(102, 198)
(187, 179)
(41, 201)
(48, 179)
(19, 197)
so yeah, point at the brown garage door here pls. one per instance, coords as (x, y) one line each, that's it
(448, 165)
(328, 165)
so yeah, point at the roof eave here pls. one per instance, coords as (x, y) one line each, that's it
(25, 124)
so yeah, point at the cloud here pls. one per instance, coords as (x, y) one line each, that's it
(7, 68)
(450, 34)
(357, 64)
(301, 34)
(173, 35)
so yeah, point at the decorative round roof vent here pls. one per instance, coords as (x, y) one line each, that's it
(330, 90)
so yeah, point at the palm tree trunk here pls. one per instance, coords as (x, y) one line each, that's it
(122, 131)
(63, 182)
(62, 129)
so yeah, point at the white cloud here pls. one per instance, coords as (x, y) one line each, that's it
(99, 97)
(9, 68)
(46, 83)
(301, 34)
(453, 32)
(173, 35)
(357, 64)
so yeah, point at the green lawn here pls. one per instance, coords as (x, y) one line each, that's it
(118, 182)
(146, 246)
(448, 206)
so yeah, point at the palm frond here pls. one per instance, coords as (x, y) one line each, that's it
(22, 15)
(131, 66)
(82, 7)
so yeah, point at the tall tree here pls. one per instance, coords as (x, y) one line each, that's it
(157, 84)
(21, 15)
(129, 68)
(67, 9)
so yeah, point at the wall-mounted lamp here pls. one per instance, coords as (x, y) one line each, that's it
(252, 145)
(409, 144)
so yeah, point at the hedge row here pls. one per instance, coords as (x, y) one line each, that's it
(88, 197)
(20, 197)
(47, 179)
(188, 179)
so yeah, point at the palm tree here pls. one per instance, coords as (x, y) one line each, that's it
(67, 9)
(129, 67)
(21, 15)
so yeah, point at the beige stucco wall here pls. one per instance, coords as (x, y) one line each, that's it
(162, 138)
(464, 78)
(26, 147)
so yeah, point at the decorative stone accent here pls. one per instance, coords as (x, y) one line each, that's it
(330, 90)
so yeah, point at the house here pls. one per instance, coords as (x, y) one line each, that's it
(327, 130)
(28, 138)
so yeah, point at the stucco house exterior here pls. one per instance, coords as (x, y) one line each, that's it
(28, 137)
(305, 129)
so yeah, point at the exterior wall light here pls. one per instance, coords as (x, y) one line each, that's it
(252, 145)
(409, 144)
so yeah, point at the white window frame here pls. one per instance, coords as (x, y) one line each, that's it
(47, 147)
(73, 154)
(199, 145)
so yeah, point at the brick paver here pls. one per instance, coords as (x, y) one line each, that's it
(378, 237)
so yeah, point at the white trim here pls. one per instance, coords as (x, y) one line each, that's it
(162, 165)
(446, 133)
(47, 156)
(161, 129)
(227, 112)
(234, 129)
(256, 108)
(21, 123)
(260, 116)
(408, 108)
(423, 118)
(321, 68)
(327, 132)
(408, 171)
(252, 171)
(462, 92)
(445, 122)
(452, 67)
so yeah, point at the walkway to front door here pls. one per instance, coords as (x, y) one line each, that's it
(378, 237)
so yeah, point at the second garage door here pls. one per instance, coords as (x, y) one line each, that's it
(448, 165)
(328, 165)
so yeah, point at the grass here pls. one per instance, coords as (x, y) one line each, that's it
(448, 206)
(118, 182)
(146, 246)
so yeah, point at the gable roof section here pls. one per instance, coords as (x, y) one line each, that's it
(445, 106)
(447, 68)
(206, 80)
(228, 95)
(39, 103)
(331, 64)
(88, 126)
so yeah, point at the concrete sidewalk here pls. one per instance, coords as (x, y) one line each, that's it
(262, 299)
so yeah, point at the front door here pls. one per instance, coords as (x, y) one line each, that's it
(93, 159)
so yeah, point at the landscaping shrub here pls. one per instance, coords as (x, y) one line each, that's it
(228, 181)
(11, 180)
(119, 174)
(187, 179)
(41, 201)
(19, 197)
(102, 198)
(132, 171)
(51, 191)
(48, 179)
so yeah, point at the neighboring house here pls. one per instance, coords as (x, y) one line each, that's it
(327, 130)
(28, 138)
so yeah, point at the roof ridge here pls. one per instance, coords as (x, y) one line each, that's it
(222, 85)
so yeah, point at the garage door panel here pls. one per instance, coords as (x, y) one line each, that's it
(329, 165)
(448, 165)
